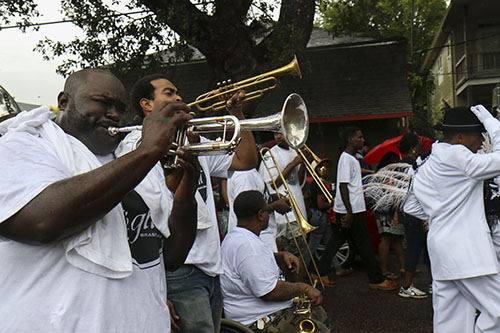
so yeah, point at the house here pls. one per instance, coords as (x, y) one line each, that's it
(345, 81)
(465, 56)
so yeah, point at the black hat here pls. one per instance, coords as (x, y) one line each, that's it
(460, 119)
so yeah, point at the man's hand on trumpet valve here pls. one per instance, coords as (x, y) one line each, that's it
(160, 126)
(187, 172)
(235, 104)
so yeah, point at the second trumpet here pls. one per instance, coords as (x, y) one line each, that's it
(292, 121)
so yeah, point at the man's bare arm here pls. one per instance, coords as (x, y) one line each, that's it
(344, 194)
(245, 155)
(183, 218)
(288, 290)
(71, 205)
(288, 169)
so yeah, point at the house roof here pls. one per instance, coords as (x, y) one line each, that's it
(343, 79)
(348, 82)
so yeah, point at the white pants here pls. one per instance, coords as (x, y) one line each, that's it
(495, 237)
(455, 303)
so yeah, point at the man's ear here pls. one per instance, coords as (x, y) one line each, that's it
(147, 105)
(260, 215)
(62, 101)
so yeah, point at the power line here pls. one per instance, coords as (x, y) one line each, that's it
(458, 43)
(65, 21)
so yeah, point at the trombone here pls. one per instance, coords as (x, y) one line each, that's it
(315, 171)
(292, 121)
(304, 226)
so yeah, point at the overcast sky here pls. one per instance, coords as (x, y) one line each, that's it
(23, 73)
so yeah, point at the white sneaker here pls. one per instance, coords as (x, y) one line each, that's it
(411, 292)
(430, 289)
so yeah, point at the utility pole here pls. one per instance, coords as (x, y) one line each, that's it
(412, 17)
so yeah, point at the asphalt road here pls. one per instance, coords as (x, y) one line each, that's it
(353, 307)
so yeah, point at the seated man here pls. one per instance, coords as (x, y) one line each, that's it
(252, 290)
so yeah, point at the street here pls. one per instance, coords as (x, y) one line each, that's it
(353, 307)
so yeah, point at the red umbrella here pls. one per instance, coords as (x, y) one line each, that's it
(375, 155)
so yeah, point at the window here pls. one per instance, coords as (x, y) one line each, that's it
(490, 61)
(440, 69)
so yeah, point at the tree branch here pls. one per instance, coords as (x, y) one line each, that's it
(293, 29)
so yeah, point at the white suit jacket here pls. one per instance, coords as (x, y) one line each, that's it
(448, 191)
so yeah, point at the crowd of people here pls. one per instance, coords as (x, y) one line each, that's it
(99, 233)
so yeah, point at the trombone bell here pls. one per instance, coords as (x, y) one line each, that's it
(304, 226)
(292, 121)
(295, 121)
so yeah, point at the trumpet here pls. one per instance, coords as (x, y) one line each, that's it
(292, 121)
(303, 309)
(304, 226)
(218, 101)
(316, 170)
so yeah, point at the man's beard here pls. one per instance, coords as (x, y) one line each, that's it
(89, 133)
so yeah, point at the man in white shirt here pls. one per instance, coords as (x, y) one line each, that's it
(252, 289)
(447, 190)
(293, 170)
(349, 207)
(240, 181)
(66, 212)
(194, 288)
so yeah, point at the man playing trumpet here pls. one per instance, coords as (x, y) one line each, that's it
(81, 241)
(194, 288)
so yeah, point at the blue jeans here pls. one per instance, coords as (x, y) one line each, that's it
(197, 299)
(318, 219)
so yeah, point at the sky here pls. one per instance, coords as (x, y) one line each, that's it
(23, 72)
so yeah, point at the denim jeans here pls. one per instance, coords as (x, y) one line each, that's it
(318, 219)
(197, 299)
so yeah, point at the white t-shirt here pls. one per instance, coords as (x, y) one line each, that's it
(283, 158)
(205, 253)
(241, 181)
(250, 272)
(349, 171)
(40, 289)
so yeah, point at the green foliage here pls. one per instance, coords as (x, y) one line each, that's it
(17, 12)
(392, 19)
(384, 19)
(110, 39)
(165, 31)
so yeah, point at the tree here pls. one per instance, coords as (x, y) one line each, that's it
(385, 19)
(413, 20)
(18, 12)
(237, 37)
